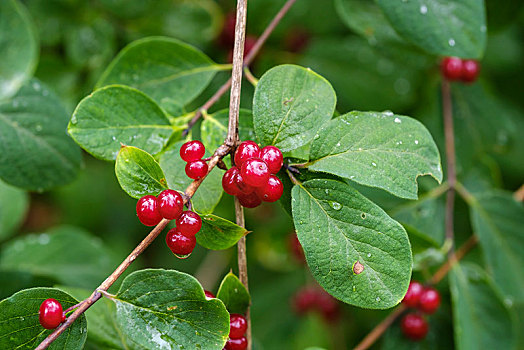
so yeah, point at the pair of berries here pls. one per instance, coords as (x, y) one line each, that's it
(252, 180)
(51, 314)
(237, 330)
(181, 239)
(192, 152)
(312, 298)
(427, 300)
(454, 68)
(169, 204)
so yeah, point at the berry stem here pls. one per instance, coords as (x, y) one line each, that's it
(447, 114)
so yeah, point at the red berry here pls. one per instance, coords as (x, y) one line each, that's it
(451, 68)
(429, 300)
(243, 187)
(304, 300)
(296, 248)
(51, 314)
(227, 36)
(147, 211)
(249, 43)
(245, 151)
(229, 181)
(196, 169)
(414, 326)
(254, 172)
(412, 296)
(170, 204)
(470, 70)
(209, 295)
(273, 158)
(192, 150)
(189, 223)
(179, 243)
(272, 191)
(250, 200)
(236, 344)
(238, 326)
(327, 305)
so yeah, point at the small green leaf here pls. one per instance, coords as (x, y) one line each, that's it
(497, 220)
(377, 149)
(218, 233)
(441, 27)
(138, 173)
(67, 254)
(164, 309)
(35, 151)
(290, 104)
(117, 115)
(163, 68)
(13, 207)
(337, 227)
(234, 294)
(481, 320)
(209, 192)
(21, 329)
(18, 47)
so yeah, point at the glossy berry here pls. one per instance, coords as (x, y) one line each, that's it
(209, 295)
(255, 172)
(272, 191)
(192, 150)
(429, 300)
(179, 243)
(250, 200)
(236, 344)
(273, 158)
(147, 211)
(412, 296)
(246, 150)
(414, 326)
(189, 223)
(243, 187)
(51, 314)
(229, 181)
(170, 204)
(451, 68)
(237, 326)
(196, 169)
(470, 71)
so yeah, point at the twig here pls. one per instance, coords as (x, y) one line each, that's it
(379, 329)
(242, 264)
(250, 77)
(247, 61)
(447, 115)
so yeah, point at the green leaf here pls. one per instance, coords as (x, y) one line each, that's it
(338, 227)
(138, 173)
(117, 115)
(21, 329)
(377, 149)
(163, 68)
(441, 27)
(18, 47)
(481, 320)
(35, 151)
(218, 233)
(209, 192)
(68, 254)
(165, 309)
(234, 294)
(290, 104)
(497, 220)
(13, 207)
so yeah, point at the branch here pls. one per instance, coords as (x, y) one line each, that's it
(447, 115)
(380, 329)
(247, 61)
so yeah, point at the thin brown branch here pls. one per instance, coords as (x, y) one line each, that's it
(380, 329)
(455, 258)
(447, 114)
(247, 61)
(242, 264)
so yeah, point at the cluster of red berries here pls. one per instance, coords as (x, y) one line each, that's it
(192, 152)
(237, 330)
(425, 299)
(312, 298)
(252, 178)
(169, 204)
(455, 68)
(51, 314)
